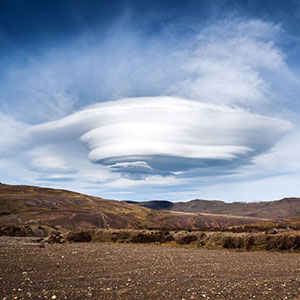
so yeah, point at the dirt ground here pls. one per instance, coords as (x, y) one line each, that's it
(130, 271)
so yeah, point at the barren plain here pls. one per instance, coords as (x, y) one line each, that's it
(138, 271)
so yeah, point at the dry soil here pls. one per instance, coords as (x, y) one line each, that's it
(131, 271)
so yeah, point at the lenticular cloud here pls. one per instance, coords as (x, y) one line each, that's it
(164, 135)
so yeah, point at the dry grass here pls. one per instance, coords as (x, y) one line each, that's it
(210, 240)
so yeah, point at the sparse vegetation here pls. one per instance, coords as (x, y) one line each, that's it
(186, 239)
(61, 216)
(209, 239)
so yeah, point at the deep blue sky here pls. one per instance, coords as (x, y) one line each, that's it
(36, 25)
(237, 61)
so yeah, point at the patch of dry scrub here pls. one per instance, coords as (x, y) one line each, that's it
(244, 241)
(211, 240)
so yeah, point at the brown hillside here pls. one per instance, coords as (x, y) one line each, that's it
(21, 205)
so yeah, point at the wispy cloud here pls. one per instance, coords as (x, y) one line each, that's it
(227, 60)
(45, 162)
(222, 63)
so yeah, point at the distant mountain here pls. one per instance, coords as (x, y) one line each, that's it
(284, 208)
(155, 204)
(29, 205)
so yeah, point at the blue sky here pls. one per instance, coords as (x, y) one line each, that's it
(148, 100)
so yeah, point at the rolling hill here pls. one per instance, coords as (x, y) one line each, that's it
(29, 205)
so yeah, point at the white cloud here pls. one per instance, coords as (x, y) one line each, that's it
(51, 164)
(11, 134)
(14, 171)
(283, 158)
(150, 181)
(163, 134)
(227, 61)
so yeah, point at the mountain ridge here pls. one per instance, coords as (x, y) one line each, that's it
(276, 209)
(27, 205)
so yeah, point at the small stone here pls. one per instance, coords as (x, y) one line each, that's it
(53, 297)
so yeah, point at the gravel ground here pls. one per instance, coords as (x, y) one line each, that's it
(130, 271)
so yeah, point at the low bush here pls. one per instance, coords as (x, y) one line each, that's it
(250, 242)
(187, 239)
(79, 236)
(229, 242)
(152, 237)
(246, 241)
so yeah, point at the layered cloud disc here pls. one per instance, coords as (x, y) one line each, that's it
(164, 135)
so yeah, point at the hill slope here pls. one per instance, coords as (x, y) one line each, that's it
(34, 205)
(284, 208)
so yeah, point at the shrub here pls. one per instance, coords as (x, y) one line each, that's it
(80, 236)
(229, 242)
(187, 239)
(287, 242)
(167, 238)
(240, 243)
(250, 242)
(142, 237)
(297, 242)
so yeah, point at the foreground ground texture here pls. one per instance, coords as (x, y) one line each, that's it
(131, 271)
